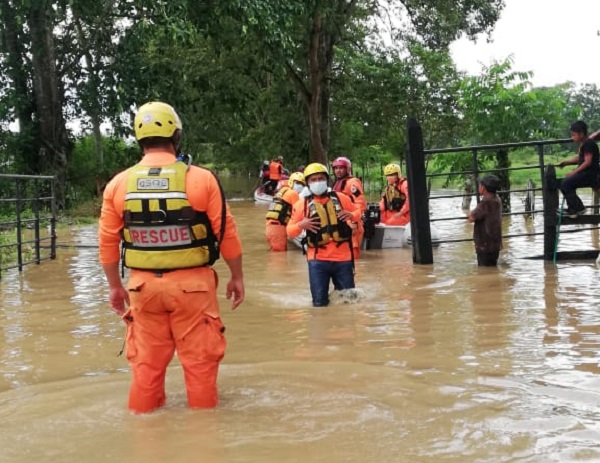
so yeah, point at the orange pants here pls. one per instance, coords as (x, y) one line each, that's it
(276, 236)
(177, 310)
(393, 218)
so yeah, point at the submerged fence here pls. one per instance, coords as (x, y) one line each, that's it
(420, 200)
(27, 220)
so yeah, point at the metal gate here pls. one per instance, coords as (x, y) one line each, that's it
(27, 220)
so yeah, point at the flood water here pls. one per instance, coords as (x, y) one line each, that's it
(438, 363)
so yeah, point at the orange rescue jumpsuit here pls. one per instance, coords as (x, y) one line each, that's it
(275, 230)
(174, 310)
(275, 174)
(330, 251)
(391, 217)
(353, 188)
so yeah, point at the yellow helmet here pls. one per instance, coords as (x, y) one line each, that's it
(156, 119)
(315, 168)
(392, 169)
(296, 177)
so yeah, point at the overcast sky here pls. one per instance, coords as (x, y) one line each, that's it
(556, 39)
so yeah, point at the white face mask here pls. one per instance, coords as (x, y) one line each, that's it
(298, 187)
(318, 188)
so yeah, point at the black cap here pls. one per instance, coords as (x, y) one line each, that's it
(491, 183)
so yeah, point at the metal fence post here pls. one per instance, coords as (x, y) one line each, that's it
(550, 196)
(417, 195)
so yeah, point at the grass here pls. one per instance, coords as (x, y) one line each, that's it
(85, 212)
(518, 178)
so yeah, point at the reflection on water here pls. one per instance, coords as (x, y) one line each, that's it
(440, 363)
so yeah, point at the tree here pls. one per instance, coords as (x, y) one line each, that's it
(248, 77)
(586, 101)
(376, 91)
(499, 106)
(319, 29)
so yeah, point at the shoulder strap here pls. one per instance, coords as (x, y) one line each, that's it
(223, 205)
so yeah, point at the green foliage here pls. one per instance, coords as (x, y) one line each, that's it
(586, 103)
(500, 106)
(242, 76)
(86, 176)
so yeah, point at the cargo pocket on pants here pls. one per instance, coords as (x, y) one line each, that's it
(214, 336)
(131, 348)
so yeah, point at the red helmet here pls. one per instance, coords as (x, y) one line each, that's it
(342, 161)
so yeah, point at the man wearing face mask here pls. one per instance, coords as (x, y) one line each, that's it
(280, 211)
(324, 215)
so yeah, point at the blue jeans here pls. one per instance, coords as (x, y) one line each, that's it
(320, 272)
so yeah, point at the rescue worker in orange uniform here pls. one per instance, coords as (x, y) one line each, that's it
(324, 215)
(353, 188)
(173, 223)
(394, 205)
(280, 211)
(275, 173)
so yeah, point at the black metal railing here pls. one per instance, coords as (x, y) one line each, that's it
(420, 201)
(27, 220)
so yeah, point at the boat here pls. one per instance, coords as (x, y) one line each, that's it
(261, 197)
(387, 236)
(297, 241)
(394, 236)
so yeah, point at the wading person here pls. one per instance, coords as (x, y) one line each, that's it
(172, 222)
(394, 205)
(324, 215)
(280, 211)
(487, 217)
(352, 187)
(586, 172)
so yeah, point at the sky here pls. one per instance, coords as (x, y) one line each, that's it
(555, 39)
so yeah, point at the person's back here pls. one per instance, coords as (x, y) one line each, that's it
(174, 223)
(275, 170)
(264, 172)
(487, 217)
(280, 211)
(275, 173)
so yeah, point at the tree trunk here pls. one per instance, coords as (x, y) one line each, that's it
(321, 48)
(314, 103)
(49, 97)
(326, 59)
(25, 157)
(92, 107)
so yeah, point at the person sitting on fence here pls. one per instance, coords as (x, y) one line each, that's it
(394, 206)
(586, 172)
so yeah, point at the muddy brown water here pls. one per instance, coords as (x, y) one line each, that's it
(441, 363)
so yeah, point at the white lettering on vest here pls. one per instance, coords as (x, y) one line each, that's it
(152, 183)
(151, 237)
